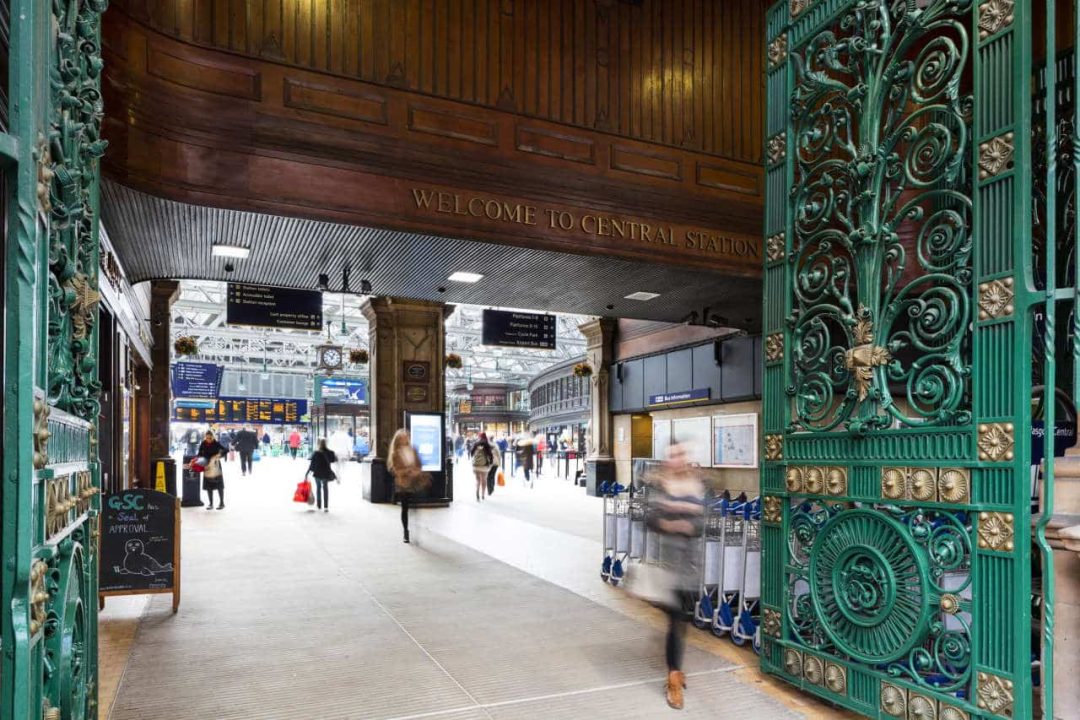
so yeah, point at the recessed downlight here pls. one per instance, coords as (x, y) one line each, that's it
(466, 277)
(231, 251)
(642, 296)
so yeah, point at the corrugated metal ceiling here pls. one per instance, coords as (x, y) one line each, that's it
(157, 238)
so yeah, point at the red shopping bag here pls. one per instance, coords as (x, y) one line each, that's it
(303, 491)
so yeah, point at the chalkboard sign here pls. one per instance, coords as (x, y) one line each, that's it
(518, 329)
(265, 306)
(140, 544)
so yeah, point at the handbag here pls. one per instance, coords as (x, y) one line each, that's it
(655, 584)
(255, 456)
(213, 468)
(303, 491)
(198, 464)
(500, 479)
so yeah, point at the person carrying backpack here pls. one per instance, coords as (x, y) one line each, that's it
(484, 458)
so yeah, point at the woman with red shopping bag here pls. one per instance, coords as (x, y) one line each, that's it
(213, 478)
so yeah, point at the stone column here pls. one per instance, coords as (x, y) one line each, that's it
(600, 353)
(162, 295)
(408, 348)
(1063, 532)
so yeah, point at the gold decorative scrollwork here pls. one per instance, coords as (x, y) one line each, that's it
(83, 306)
(948, 485)
(778, 50)
(996, 441)
(774, 447)
(775, 247)
(921, 707)
(996, 299)
(776, 148)
(59, 504)
(813, 670)
(797, 6)
(38, 596)
(996, 531)
(793, 663)
(41, 433)
(995, 694)
(948, 712)
(85, 490)
(865, 356)
(770, 622)
(817, 480)
(893, 700)
(45, 175)
(772, 510)
(995, 156)
(950, 604)
(50, 713)
(836, 678)
(774, 347)
(994, 16)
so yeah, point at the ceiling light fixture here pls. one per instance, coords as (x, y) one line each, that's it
(233, 251)
(466, 277)
(642, 296)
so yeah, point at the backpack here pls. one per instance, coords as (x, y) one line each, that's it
(481, 457)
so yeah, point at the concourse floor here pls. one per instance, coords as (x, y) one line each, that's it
(496, 612)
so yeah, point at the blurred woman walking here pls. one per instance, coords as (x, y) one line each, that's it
(484, 458)
(409, 479)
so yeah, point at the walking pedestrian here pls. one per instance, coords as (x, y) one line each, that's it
(266, 441)
(294, 443)
(321, 468)
(409, 479)
(213, 478)
(676, 514)
(484, 458)
(526, 453)
(246, 443)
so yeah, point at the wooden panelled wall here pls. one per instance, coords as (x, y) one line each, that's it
(682, 73)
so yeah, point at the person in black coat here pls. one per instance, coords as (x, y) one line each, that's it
(321, 467)
(213, 479)
(246, 443)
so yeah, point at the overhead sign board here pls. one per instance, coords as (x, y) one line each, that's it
(256, 411)
(343, 390)
(273, 307)
(196, 380)
(519, 329)
(678, 398)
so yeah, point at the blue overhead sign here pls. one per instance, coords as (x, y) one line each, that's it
(687, 396)
(343, 390)
(196, 380)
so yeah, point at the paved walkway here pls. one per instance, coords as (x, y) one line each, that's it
(290, 613)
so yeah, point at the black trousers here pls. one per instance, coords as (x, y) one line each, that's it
(676, 638)
(322, 492)
(293, 451)
(406, 502)
(245, 460)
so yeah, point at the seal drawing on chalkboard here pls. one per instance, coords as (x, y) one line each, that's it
(137, 562)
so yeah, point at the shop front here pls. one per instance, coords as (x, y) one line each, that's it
(498, 409)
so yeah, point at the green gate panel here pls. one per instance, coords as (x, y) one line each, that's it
(49, 498)
(896, 414)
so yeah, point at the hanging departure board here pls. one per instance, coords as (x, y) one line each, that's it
(519, 329)
(258, 411)
(265, 306)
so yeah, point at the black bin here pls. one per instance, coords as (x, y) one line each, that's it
(191, 494)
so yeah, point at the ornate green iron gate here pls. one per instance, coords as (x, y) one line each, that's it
(49, 487)
(897, 521)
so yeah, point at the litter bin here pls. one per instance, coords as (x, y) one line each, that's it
(192, 496)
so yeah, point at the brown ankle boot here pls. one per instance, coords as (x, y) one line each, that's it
(676, 681)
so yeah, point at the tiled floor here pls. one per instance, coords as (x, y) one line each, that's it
(496, 612)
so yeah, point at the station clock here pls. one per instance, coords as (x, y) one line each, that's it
(329, 357)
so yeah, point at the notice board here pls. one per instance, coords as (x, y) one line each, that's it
(140, 544)
(519, 329)
(273, 307)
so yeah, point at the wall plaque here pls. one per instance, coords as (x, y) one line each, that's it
(416, 370)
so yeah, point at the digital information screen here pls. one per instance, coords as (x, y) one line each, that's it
(428, 438)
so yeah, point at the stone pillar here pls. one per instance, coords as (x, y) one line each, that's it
(408, 349)
(1063, 532)
(600, 353)
(162, 295)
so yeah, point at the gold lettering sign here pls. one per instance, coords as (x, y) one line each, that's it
(587, 224)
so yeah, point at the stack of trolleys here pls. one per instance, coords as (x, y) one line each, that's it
(616, 535)
(732, 529)
(746, 623)
(712, 543)
(638, 529)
